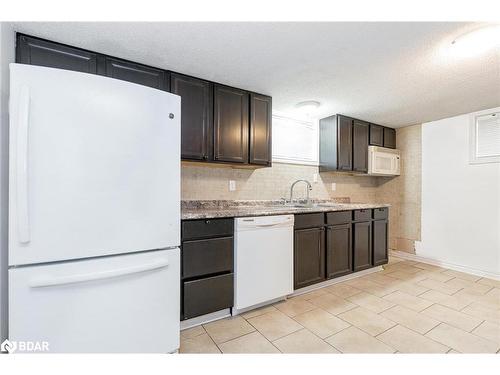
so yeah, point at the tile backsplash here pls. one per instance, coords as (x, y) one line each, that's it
(203, 182)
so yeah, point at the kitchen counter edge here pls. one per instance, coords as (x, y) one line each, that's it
(193, 214)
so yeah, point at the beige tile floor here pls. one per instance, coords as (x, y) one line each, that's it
(409, 307)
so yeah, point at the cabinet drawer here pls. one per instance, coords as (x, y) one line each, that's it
(341, 217)
(205, 257)
(380, 213)
(362, 215)
(207, 295)
(192, 229)
(309, 220)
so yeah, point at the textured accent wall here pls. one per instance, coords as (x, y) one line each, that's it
(404, 192)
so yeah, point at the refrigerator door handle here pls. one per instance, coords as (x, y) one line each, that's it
(23, 111)
(93, 276)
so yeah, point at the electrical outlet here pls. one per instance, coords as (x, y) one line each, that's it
(232, 185)
(334, 186)
(315, 178)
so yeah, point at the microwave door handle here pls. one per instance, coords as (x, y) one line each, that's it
(23, 118)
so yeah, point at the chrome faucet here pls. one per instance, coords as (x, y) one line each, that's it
(309, 188)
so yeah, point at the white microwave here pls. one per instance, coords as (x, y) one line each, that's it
(383, 161)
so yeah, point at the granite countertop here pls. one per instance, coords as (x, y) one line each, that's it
(204, 209)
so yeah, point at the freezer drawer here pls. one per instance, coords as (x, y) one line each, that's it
(117, 304)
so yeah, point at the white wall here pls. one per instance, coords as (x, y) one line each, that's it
(460, 201)
(7, 54)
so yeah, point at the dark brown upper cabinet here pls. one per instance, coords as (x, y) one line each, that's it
(344, 141)
(360, 135)
(197, 101)
(376, 135)
(338, 250)
(230, 124)
(219, 124)
(389, 137)
(41, 52)
(137, 73)
(260, 129)
(344, 152)
(335, 147)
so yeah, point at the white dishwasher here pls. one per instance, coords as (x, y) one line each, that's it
(263, 260)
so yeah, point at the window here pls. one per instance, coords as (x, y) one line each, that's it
(295, 141)
(485, 137)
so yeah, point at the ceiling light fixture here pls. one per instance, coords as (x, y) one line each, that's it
(476, 41)
(308, 107)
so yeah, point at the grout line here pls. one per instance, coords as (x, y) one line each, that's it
(265, 335)
(355, 305)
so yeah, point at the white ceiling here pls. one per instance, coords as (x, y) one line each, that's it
(391, 73)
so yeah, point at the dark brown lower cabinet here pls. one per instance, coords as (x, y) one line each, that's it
(380, 239)
(362, 247)
(338, 250)
(207, 263)
(207, 295)
(309, 257)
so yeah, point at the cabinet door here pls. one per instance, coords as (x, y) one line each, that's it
(380, 234)
(344, 143)
(197, 116)
(389, 137)
(360, 130)
(376, 135)
(338, 250)
(35, 51)
(362, 245)
(137, 73)
(230, 125)
(260, 129)
(309, 257)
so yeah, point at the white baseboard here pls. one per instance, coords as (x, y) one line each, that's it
(451, 266)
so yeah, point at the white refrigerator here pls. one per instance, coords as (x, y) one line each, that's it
(94, 213)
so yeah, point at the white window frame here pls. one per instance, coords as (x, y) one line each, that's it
(314, 123)
(473, 158)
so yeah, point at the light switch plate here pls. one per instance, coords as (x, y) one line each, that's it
(315, 178)
(232, 185)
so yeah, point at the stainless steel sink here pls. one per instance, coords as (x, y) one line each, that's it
(308, 205)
